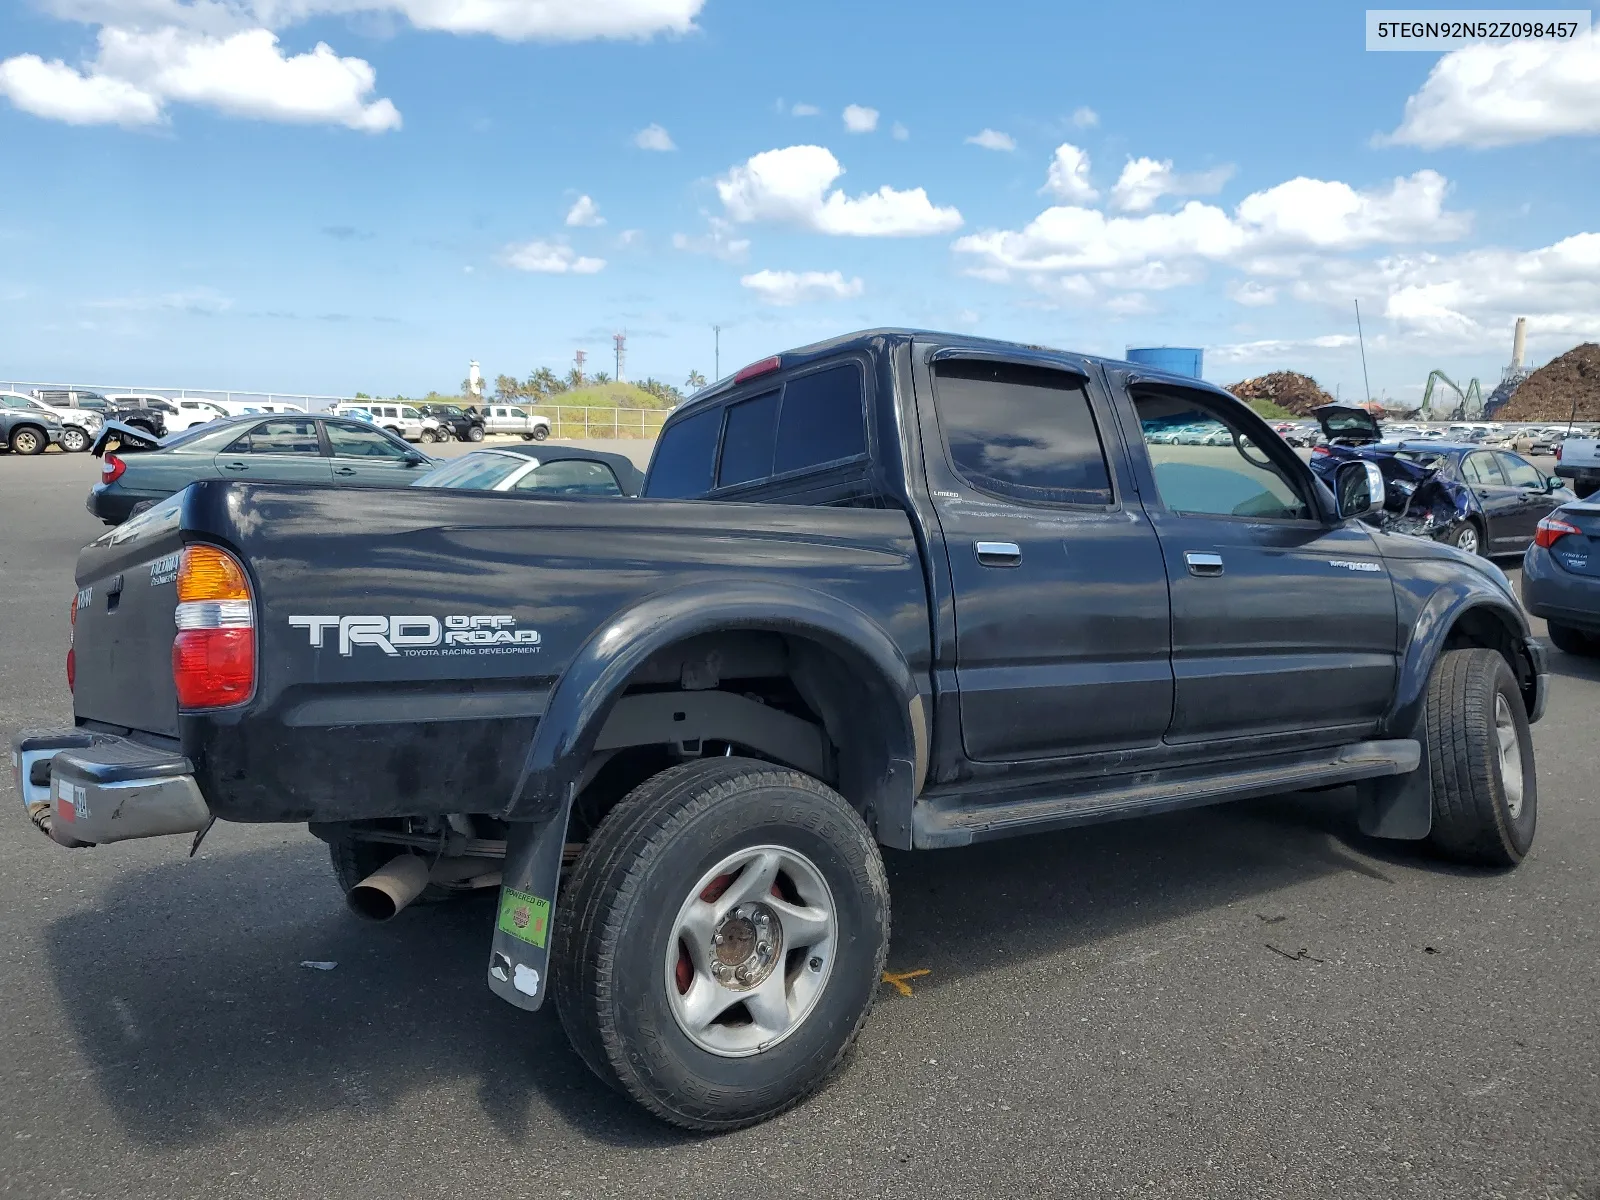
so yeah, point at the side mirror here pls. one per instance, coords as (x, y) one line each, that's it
(1555, 483)
(1358, 488)
(413, 459)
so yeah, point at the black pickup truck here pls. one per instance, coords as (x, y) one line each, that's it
(898, 588)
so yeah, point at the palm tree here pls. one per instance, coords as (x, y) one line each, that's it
(695, 382)
(575, 378)
(600, 377)
(544, 382)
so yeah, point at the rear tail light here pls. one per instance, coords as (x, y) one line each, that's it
(111, 468)
(214, 653)
(1558, 451)
(1316, 450)
(1552, 529)
(72, 653)
(765, 367)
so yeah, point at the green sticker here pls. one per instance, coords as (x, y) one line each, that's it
(524, 917)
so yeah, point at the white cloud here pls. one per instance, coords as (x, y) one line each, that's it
(1145, 180)
(858, 119)
(789, 287)
(1271, 349)
(719, 242)
(992, 139)
(630, 237)
(244, 74)
(200, 301)
(804, 110)
(1499, 94)
(899, 132)
(1085, 117)
(653, 137)
(790, 186)
(1129, 304)
(1300, 217)
(58, 92)
(551, 258)
(1069, 175)
(585, 212)
(1252, 294)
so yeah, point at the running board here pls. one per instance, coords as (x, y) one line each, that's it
(959, 818)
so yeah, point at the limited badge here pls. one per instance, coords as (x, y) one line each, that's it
(524, 917)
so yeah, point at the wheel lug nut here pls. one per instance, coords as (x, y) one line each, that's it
(742, 975)
(719, 939)
(815, 964)
(762, 948)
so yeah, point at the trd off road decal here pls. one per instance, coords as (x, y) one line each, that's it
(414, 637)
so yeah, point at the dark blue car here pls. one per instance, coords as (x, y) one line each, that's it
(1561, 576)
(1480, 500)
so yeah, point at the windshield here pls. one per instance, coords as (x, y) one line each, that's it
(479, 471)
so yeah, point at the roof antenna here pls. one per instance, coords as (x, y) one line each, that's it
(1361, 338)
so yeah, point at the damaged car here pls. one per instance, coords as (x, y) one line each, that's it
(1481, 500)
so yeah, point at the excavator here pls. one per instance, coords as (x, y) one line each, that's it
(1470, 407)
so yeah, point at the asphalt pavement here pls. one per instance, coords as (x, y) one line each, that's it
(1249, 1000)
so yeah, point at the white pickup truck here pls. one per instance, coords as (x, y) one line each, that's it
(1578, 459)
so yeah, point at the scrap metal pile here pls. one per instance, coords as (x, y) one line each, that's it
(1551, 392)
(1288, 389)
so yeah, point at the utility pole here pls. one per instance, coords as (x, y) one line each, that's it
(1361, 338)
(716, 361)
(620, 340)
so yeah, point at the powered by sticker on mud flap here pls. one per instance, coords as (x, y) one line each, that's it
(420, 636)
(524, 917)
(164, 569)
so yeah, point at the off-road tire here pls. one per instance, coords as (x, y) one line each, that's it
(28, 440)
(475, 434)
(354, 860)
(1472, 817)
(616, 918)
(74, 440)
(1573, 641)
(540, 432)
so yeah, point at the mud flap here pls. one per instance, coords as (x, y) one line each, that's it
(519, 956)
(1399, 806)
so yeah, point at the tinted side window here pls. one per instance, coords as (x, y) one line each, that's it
(747, 438)
(1022, 432)
(569, 477)
(1520, 471)
(823, 420)
(356, 441)
(279, 437)
(682, 462)
(1204, 465)
(1482, 468)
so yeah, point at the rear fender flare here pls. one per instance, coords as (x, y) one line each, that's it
(593, 682)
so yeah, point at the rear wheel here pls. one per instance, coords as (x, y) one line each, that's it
(1480, 751)
(1573, 641)
(28, 440)
(73, 440)
(721, 941)
(1465, 536)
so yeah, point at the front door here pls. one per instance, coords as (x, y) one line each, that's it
(366, 457)
(281, 450)
(1534, 490)
(1061, 614)
(1282, 623)
(1502, 504)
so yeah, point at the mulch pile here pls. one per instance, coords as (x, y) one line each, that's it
(1291, 390)
(1548, 394)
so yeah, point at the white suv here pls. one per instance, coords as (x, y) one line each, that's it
(399, 419)
(181, 413)
(78, 425)
(512, 418)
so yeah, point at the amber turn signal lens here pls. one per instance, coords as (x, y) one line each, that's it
(206, 573)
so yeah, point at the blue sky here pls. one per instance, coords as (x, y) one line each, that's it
(190, 202)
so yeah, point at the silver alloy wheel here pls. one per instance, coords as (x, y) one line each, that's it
(1467, 539)
(25, 441)
(745, 968)
(1505, 732)
(74, 440)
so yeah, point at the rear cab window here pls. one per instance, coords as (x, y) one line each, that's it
(800, 438)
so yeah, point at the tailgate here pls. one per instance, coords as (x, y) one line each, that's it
(122, 636)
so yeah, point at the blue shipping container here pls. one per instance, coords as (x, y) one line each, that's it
(1179, 360)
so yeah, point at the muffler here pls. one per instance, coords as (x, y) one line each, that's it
(390, 888)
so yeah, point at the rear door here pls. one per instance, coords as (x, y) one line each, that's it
(279, 450)
(1534, 489)
(1501, 503)
(367, 457)
(1282, 623)
(1062, 619)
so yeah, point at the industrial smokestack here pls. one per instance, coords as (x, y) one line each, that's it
(1519, 343)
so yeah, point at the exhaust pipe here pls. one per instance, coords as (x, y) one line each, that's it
(390, 888)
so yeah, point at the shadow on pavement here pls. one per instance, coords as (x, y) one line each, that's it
(185, 993)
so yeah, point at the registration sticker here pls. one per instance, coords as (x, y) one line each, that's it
(524, 917)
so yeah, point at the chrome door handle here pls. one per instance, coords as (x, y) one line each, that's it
(998, 554)
(235, 466)
(1201, 563)
(344, 470)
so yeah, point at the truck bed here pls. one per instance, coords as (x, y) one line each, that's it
(356, 715)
